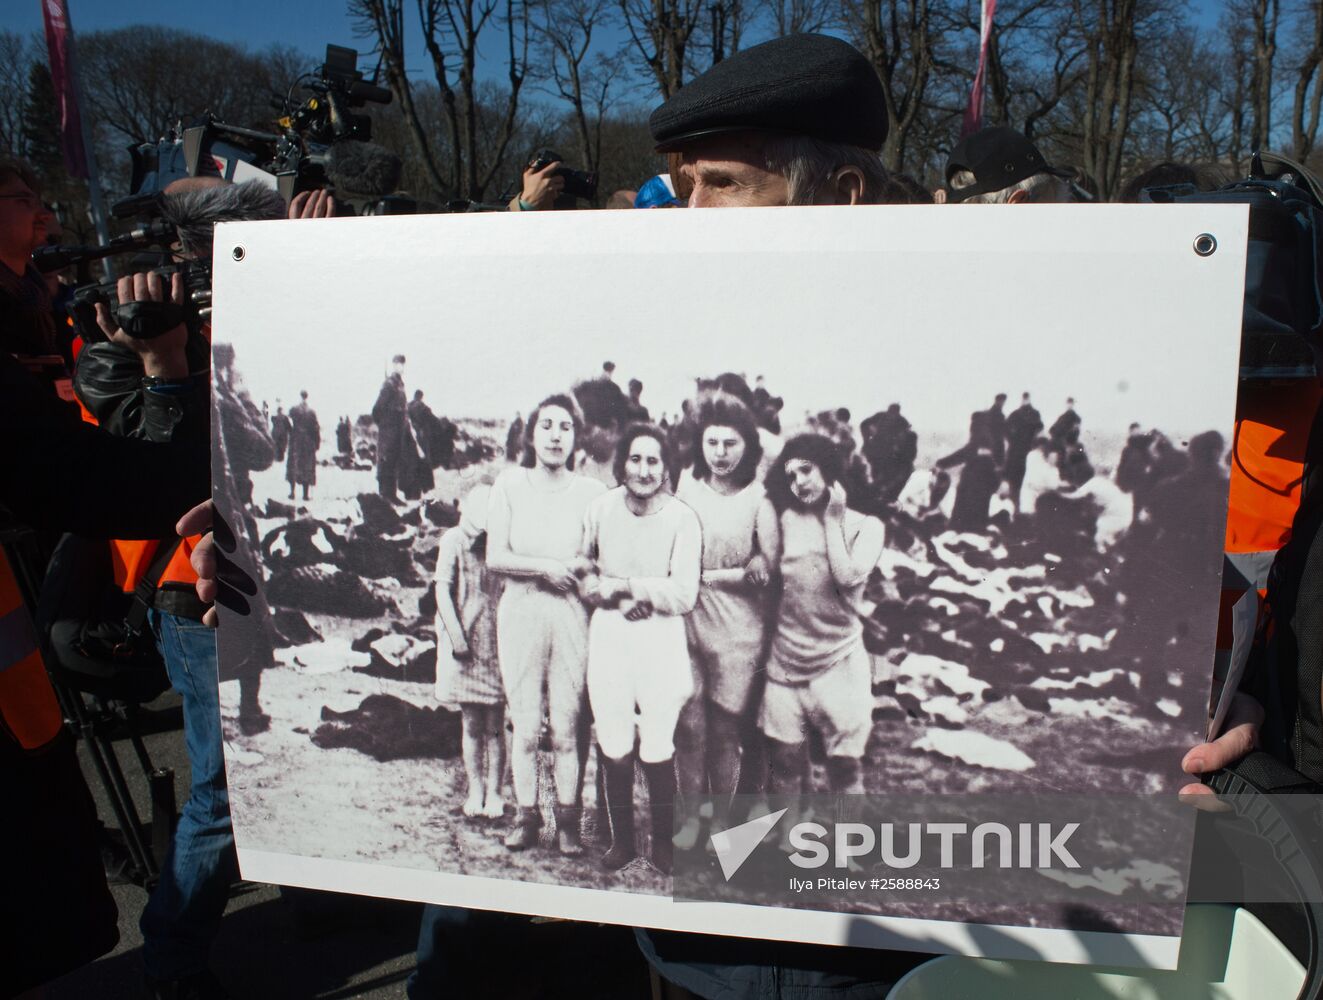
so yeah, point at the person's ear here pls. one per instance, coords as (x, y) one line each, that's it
(1017, 196)
(847, 187)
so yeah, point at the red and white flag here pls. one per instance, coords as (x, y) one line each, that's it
(974, 112)
(59, 43)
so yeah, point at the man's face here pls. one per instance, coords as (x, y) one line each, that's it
(729, 171)
(24, 220)
(644, 471)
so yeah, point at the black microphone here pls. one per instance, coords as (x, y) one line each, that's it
(149, 234)
(194, 214)
(363, 168)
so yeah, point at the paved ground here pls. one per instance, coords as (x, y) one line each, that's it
(332, 947)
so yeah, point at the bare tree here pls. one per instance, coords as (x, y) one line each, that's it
(726, 23)
(897, 38)
(138, 81)
(793, 17)
(1308, 86)
(1264, 15)
(577, 74)
(478, 132)
(16, 56)
(661, 32)
(1112, 47)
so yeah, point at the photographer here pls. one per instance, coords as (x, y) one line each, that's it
(57, 470)
(184, 911)
(542, 186)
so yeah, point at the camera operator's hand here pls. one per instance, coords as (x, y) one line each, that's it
(161, 356)
(541, 188)
(319, 204)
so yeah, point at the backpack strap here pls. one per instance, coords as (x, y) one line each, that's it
(1304, 177)
(144, 594)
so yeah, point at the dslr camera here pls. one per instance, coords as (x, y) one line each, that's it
(578, 183)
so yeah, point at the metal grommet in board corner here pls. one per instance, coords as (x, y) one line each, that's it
(1205, 244)
(237, 253)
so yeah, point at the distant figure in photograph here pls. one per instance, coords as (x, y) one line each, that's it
(305, 437)
(280, 427)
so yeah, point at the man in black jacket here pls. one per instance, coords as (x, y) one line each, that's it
(62, 474)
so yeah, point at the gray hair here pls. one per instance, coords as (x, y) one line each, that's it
(1042, 188)
(196, 212)
(807, 165)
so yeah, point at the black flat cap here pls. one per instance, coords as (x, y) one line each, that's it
(810, 85)
(997, 157)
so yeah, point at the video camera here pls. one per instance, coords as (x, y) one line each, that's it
(320, 143)
(144, 320)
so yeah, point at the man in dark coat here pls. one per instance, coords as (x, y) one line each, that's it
(995, 419)
(1065, 430)
(435, 435)
(390, 414)
(344, 437)
(305, 437)
(1022, 427)
(280, 426)
(890, 446)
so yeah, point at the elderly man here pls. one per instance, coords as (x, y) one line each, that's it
(795, 121)
(999, 166)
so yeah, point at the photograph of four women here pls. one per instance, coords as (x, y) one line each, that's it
(703, 624)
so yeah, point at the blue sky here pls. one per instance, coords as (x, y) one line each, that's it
(307, 25)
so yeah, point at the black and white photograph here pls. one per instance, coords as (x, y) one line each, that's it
(529, 547)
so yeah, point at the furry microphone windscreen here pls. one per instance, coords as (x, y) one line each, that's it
(363, 168)
(194, 214)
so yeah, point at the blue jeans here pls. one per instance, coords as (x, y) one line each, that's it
(184, 912)
(458, 948)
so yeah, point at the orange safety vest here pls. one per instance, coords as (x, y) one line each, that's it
(1273, 420)
(130, 558)
(29, 711)
(129, 561)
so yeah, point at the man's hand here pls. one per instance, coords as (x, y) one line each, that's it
(319, 204)
(1240, 737)
(203, 558)
(541, 188)
(161, 356)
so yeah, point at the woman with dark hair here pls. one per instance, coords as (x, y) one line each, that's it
(645, 547)
(819, 676)
(534, 534)
(728, 626)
